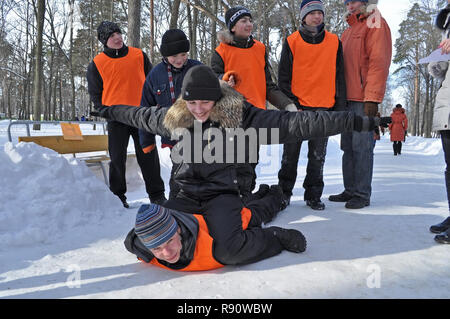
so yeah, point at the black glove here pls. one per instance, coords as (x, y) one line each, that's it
(100, 110)
(369, 123)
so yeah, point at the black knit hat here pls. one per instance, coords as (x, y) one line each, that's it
(105, 30)
(233, 15)
(200, 83)
(174, 41)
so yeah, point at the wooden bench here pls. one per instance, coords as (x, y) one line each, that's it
(89, 143)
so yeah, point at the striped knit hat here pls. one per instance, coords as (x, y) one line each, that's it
(154, 225)
(309, 6)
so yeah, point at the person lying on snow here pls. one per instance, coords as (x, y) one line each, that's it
(180, 241)
(207, 175)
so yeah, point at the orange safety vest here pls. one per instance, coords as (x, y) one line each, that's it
(123, 78)
(249, 64)
(314, 70)
(203, 254)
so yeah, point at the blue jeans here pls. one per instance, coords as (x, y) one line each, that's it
(357, 161)
(445, 136)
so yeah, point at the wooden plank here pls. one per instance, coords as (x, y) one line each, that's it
(90, 143)
(71, 131)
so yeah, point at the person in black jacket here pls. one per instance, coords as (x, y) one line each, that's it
(311, 73)
(116, 76)
(163, 86)
(243, 63)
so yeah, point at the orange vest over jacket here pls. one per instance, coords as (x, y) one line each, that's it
(248, 64)
(203, 256)
(314, 70)
(123, 78)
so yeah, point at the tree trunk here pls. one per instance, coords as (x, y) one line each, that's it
(174, 14)
(215, 7)
(71, 67)
(134, 23)
(152, 31)
(38, 70)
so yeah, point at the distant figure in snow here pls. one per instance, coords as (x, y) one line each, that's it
(398, 128)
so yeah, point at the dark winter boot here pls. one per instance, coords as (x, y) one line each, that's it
(441, 227)
(357, 203)
(262, 191)
(285, 200)
(443, 238)
(399, 149)
(342, 197)
(315, 204)
(123, 199)
(394, 146)
(292, 240)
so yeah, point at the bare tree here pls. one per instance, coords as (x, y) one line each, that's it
(134, 23)
(38, 70)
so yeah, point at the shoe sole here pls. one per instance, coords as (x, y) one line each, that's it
(365, 205)
(315, 208)
(439, 231)
(442, 240)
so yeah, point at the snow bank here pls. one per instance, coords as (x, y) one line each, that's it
(46, 194)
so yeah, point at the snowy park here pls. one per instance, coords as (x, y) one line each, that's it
(62, 231)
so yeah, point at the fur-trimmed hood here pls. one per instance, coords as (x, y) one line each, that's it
(227, 111)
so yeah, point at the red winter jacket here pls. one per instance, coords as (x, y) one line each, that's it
(399, 124)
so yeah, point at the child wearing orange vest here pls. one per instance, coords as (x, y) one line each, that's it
(243, 62)
(311, 72)
(116, 76)
(180, 241)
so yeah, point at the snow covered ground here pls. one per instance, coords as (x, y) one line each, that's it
(62, 232)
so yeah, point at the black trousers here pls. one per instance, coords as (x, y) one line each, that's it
(232, 244)
(118, 138)
(397, 146)
(445, 137)
(313, 182)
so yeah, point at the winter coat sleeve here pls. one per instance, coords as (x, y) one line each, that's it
(273, 93)
(341, 89)
(378, 44)
(147, 64)
(285, 73)
(95, 84)
(149, 119)
(290, 127)
(217, 64)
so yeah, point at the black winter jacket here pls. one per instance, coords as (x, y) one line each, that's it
(201, 178)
